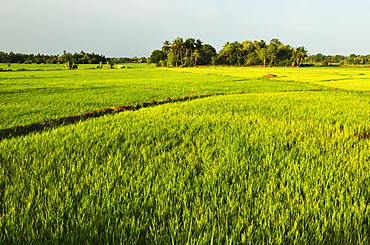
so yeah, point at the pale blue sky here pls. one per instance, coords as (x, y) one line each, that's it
(127, 28)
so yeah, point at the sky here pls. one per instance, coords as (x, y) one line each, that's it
(128, 28)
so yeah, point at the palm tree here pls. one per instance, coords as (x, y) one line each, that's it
(189, 46)
(178, 46)
(298, 55)
(273, 49)
(259, 44)
(166, 46)
(262, 54)
(196, 56)
(198, 44)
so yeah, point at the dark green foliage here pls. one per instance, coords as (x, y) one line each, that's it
(157, 56)
(111, 63)
(325, 60)
(259, 53)
(69, 65)
(192, 52)
(184, 52)
(78, 58)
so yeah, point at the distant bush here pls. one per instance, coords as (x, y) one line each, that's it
(70, 65)
(1, 69)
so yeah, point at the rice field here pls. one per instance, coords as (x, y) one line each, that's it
(35, 96)
(284, 162)
(351, 78)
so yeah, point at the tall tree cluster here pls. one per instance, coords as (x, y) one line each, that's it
(192, 52)
(183, 52)
(250, 53)
(78, 58)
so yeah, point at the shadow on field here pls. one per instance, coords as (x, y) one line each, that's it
(24, 130)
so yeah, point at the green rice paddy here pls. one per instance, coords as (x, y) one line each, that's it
(285, 162)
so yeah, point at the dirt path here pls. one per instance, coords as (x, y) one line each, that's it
(26, 129)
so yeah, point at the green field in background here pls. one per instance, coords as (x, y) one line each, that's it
(35, 96)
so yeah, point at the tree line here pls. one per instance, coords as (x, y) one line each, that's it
(80, 58)
(193, 52)
(325, 60)
(76, 58)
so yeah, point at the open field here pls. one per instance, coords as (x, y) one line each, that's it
(34, 96)
(338, 77)
(286, 162)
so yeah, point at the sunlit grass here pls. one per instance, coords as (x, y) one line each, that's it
(359, 84)
(340, 77)
(34, 96)
(279, 168)
(285, 162)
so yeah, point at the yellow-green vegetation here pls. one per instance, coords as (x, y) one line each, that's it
(263, 167)
(336, 77)
(34, 96)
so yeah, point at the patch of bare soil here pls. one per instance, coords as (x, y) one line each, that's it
(269, 76)
(363, 136)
